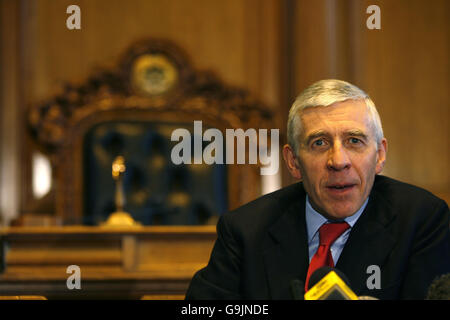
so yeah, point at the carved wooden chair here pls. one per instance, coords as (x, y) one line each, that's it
(131, 111)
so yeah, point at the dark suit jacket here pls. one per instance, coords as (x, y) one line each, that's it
(262, 246)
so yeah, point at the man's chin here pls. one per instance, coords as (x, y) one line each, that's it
(340, 212)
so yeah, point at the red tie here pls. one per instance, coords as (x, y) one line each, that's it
(328, 233)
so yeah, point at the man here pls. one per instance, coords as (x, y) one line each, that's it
(337, 149)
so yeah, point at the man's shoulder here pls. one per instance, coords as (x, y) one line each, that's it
(390, 186)
(400, 194)
(267, 208)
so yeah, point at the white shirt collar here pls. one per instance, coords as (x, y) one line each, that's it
(314, 220)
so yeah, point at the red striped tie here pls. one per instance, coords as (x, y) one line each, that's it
(328, 233)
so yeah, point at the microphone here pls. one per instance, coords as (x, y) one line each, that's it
(297, 289)
(439, 288)
(367, 298)
(322, 272)
(329, 284)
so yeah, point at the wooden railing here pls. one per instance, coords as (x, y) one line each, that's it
(113, 262)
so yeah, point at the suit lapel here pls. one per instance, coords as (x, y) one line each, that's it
(286, 255)
(286, 250)
(369, 243)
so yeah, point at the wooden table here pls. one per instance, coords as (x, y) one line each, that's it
(114, 262)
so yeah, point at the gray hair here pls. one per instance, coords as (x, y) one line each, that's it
(325, 93)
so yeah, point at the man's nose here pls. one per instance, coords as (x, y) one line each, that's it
(338, 158)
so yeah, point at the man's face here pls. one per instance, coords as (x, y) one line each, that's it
(338, 157)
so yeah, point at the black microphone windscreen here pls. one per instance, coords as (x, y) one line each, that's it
(439, 288)
(322, 272)
(297, 289)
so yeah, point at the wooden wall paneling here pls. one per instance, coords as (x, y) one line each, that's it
(287, 73)
(9, 112)
(322, 42)
(320, 45)
(311, 44)
(404, 67)
(216, 35)
(238, 40)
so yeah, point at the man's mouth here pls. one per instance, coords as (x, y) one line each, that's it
(340, 188)
(344, 186)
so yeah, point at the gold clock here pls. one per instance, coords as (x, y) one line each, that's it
(153, 75)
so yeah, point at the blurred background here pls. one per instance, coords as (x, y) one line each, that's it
(72, 102)
(271, 49)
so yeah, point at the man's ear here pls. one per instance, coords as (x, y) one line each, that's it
(291, 162)
(381, 156)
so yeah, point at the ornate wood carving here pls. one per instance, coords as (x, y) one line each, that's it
(59, 123)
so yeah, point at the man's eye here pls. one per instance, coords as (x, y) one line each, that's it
(318, 143)
(355, 140)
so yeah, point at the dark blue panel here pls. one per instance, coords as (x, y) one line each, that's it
(157, 191)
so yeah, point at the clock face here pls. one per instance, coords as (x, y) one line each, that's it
(153, 75)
